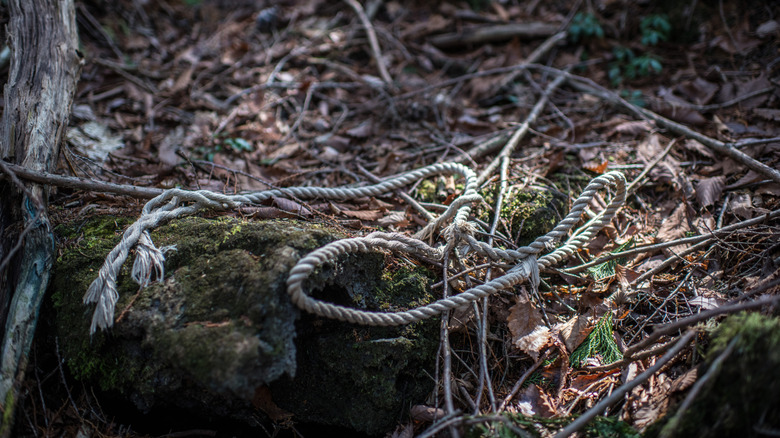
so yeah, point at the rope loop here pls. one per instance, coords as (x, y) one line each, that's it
(452, 225)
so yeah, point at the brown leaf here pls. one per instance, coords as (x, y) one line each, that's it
(668, 169)
(674, 226)
(685, 381)
(364, 130)
(529, 333)
(695, 146)
(575, 330)
(534, 401)
(698, 91)
(427, 414)
(669, 106)
(742, 205)
(631, 128)
(392, 218)
(710, 190)
(366, 215)
(290, 205)
(750, 86)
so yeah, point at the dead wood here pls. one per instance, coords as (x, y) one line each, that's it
(45, 68)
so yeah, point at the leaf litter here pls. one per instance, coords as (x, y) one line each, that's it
(232, 99)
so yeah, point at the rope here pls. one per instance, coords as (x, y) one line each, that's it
(452, 226)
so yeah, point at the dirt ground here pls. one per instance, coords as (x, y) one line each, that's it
(235, 96)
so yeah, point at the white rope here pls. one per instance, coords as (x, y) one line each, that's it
(452, 225)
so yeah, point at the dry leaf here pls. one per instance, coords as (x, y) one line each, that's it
(534, 401)
(366, 215)
(698, 91)
(529, 333)
(290, 205)
(685, 381)
(364, 130)
(674, 226)
(392, 218)
(426, 413)
(710, 190)
(742, 206)
(695, 146)
(575, 330)
(631, 128)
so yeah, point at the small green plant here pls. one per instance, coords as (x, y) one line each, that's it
(585, 26)
(238, 145)
(626, 65)
(600, 341)
(635, 97)
(655, 28)
(607, 269)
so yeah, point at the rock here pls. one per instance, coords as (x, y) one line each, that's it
(219, 338)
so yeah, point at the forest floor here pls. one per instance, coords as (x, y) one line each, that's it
(232, 95)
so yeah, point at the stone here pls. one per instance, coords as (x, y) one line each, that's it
(219, 335)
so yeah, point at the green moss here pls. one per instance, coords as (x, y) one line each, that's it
(528, 213)
(364, 377)
(742, 397)
(222, 323)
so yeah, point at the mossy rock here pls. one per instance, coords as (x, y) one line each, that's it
(528, 213)
(743, 397)
(221, 326)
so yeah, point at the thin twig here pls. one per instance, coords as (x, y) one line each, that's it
(375, 50)
(520, 132)
(522, 380)
(713, 371)
(589, 86)
(688, 240)
(599, 408)
(693, 319)
(650, 166)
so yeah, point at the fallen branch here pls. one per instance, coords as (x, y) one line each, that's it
(375, 50)
(73, 182)
(493, 33)
(518, 135)
(588, 86)
(693, 319)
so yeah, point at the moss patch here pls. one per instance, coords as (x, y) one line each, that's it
(742, 398)
(528, 213)
(221, 324)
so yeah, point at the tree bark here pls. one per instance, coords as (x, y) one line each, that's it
(42, 79)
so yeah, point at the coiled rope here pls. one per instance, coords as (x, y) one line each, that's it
(456, 231)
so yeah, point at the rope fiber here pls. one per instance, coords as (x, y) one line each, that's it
(452, 226)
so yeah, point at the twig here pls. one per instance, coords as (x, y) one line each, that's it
(635, 357)
(728, 103)
(522, 380)
(445, 352)
(375, 50)
(493, 32)
(411, 201)
(688, 240)
(650, 166)
(693, 319)
(728, 150)
(83, 183)
(518, 135)
(713, 371)
(581, 421)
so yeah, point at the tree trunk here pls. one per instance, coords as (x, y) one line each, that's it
(45, 68)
